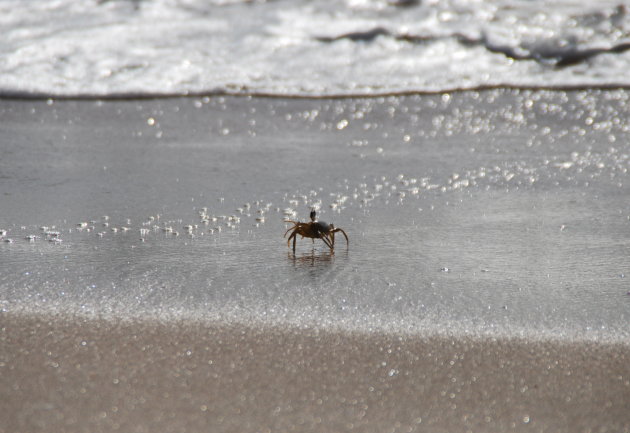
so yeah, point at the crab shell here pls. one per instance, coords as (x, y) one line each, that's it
(322, 227)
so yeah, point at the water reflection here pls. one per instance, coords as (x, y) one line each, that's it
(312, 259)
(316, 263)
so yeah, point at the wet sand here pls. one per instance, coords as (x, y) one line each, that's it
(97, 376)
(484, 287)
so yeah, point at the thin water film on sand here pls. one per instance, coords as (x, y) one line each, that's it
(499, 212)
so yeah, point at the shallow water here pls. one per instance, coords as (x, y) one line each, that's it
(499, 213)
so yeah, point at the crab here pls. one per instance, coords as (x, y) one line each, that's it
(314, 230)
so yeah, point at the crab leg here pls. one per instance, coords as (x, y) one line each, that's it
(293, 236)
(291, 228)
(327, 242)
(342, 232)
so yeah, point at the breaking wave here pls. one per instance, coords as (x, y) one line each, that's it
(323, 48)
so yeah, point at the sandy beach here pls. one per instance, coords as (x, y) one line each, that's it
(93, 375)
(145, 284)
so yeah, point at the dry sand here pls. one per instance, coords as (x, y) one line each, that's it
(79, 375)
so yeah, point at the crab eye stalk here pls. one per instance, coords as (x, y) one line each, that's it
(313, 214)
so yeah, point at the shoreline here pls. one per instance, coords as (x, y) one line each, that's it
(141, 96)
(351, 329)
(275, 327)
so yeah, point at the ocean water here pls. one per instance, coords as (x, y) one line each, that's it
(107, 48)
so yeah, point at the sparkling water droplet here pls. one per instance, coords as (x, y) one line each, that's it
(342, 124)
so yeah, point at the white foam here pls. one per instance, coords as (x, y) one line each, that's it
(303, 47)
